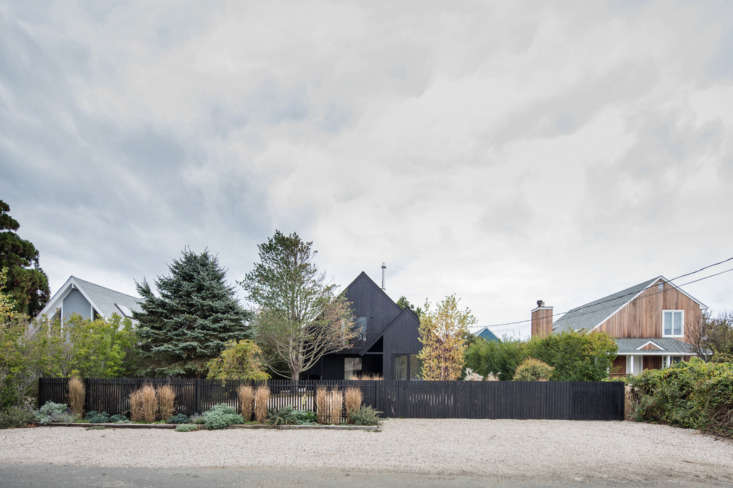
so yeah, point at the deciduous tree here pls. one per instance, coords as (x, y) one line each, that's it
(299, 317)
(240, 360)
(443, 337)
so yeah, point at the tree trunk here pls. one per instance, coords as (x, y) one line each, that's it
(295, 376)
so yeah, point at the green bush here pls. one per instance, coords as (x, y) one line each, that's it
(576, 356)
(221, 416)
(366, 415)
(94, 417)
(290, 416)
(118, 419)
(197, 419)
(52, 412)
(178, 418)
(533, 369)
(16, 417)
(690, 394)
(186, 427)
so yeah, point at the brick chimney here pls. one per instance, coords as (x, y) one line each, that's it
(541, 320)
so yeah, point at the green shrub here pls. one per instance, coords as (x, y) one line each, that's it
(15, 417)
(533, 369)
(221, 416)
(52, 412)
(290, 416)
(178, 418)
(186, 427)
(690, 394)
(366, 415)
(94, 417)
(197, 419)
(118, 419)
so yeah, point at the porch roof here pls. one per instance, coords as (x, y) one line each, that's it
(658, 346)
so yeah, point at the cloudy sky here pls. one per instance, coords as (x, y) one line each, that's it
(502, 151)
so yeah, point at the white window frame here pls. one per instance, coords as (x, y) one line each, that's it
(682, 323)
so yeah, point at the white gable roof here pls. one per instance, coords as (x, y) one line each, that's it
(105, 301)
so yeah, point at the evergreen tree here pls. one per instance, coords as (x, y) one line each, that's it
(27, 284)
(192, 320)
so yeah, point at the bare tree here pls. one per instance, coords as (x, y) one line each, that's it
(299, 317)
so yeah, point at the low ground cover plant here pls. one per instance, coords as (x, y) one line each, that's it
(94, 417)
(690, 394)
(186, 427)
(178, 418)
(221, 416)
(16, 417)
(365, 415)
(290, 416)
(52, 412)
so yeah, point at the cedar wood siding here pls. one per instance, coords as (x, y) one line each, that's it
(642, 317)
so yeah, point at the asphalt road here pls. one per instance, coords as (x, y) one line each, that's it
(46, 476)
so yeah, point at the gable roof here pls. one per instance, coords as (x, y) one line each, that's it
(376, 328)
(486, 334)
(593, 314)
(105, 301)
(598, 311)
(665, 346)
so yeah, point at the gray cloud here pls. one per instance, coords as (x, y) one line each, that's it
(503, 152)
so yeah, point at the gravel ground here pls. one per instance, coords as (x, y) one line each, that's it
(551, 450)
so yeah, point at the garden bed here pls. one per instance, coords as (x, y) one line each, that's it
(122, 425)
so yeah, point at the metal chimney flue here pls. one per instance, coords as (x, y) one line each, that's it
(384, 266)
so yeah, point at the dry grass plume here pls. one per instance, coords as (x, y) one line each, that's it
(262, 396)
(246, 401)
(166, 401)
(77, 392)
(352, 401)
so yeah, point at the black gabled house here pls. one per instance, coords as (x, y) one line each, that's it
(387, 343)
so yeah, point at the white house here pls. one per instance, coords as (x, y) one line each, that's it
(90, 301)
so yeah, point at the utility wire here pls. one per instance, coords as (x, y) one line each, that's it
(616, 297)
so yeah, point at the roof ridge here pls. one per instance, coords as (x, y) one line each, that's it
(104, 287)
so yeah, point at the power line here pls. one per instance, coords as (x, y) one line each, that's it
(616, 297)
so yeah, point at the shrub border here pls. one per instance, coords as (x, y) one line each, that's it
(368, 428)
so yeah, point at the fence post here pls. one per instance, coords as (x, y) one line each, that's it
(197, 407)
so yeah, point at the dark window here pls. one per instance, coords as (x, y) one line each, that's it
(407, 366)
(361, 327)
(352, 368)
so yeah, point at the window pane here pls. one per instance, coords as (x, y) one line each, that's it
(667, 323)
(415, 367)
(352, 368)
(678, 323)
(400, 367)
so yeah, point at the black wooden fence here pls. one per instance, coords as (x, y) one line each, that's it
(406, 399)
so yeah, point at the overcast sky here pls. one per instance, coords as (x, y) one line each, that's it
(502, 151)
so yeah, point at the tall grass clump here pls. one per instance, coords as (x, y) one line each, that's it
(246, 396)
(262, 397)
(329, 405)
(76, 395)
(336, 407)
(352, 401)
(150, 403)
(166, 401)
(137, 413)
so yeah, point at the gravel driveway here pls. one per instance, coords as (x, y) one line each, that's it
(531, 449)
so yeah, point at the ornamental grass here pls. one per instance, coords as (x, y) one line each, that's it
(262, 397)
(150, 403)
(166, 401)
(137, 413)
(77, 392)
(352, 401)
(329, 405)
(246, 396)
